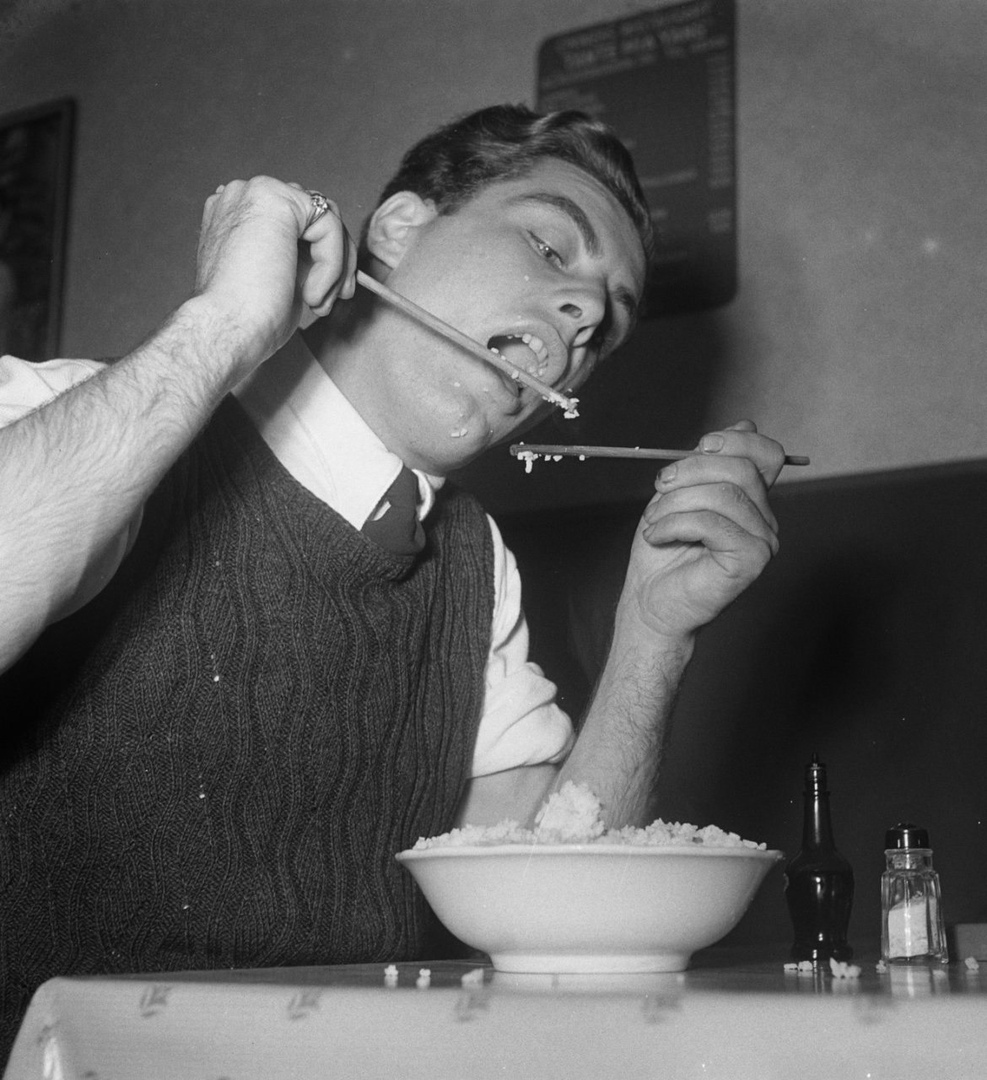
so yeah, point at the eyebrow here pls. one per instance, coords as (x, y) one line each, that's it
(622, 295)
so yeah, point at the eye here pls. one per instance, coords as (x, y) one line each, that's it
(546, 250)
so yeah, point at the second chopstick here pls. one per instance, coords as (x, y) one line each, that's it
(620, 452)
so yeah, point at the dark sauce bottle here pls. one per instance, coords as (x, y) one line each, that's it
(819, 880)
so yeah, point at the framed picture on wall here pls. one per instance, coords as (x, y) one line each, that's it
(35, 164)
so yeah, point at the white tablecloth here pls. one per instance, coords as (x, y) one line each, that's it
(714, 1023)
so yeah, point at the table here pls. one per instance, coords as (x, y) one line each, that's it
(730, 1017)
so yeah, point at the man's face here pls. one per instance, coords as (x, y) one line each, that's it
(548, 269)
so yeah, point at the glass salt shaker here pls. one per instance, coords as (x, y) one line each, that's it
(912, 927)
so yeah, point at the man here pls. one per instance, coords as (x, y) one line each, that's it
(225, 707)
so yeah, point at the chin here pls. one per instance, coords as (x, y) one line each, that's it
(453, 447)
(460, 453)
(461, 428)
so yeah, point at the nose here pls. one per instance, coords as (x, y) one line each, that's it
(584, 305)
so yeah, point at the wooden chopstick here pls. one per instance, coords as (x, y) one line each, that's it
(433, 322)
(620, 452)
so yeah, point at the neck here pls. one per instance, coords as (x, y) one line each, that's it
(354, 345)
(343, 343)
(339, 340)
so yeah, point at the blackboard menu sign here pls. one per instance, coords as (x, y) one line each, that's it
(665, 81)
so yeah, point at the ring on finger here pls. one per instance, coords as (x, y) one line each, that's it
(320, 204)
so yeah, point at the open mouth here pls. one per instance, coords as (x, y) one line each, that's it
(525, 351)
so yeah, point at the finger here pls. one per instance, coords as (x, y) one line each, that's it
(348, 288)
(699, 470)
(309, 207)
(213, 199)
(726, 502)
(327, 282)
(319, 206)
(742, 440)
(331, 272)
(742, 555)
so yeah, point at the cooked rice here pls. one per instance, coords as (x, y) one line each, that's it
(573, 815)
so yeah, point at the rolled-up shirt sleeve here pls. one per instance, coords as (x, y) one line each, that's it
(26, 386)
(521, 723)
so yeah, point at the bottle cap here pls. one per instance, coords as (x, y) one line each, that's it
(815, 775)
(905, 835)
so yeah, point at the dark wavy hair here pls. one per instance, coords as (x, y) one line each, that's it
(503, 142)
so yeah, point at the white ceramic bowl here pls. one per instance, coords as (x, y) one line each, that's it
(589, 907)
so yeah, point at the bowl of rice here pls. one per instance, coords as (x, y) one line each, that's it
(570, 895)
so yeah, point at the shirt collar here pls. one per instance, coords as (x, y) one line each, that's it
(320, 438)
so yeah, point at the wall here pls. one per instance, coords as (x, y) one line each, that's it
(858, 331)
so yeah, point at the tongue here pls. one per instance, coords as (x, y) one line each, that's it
(516, 351)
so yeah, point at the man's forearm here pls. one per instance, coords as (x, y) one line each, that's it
(621, 741)
(75, 472)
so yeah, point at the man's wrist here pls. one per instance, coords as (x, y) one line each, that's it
(670, 648)
(215, 341)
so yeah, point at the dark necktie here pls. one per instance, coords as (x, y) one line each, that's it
(396, 526)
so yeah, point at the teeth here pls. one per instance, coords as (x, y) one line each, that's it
(540, 351)
(534, 343)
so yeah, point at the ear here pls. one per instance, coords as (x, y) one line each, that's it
(394, 226)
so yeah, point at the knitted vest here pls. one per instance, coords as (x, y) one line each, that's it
(214, 762)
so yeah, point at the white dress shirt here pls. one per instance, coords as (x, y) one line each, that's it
(326, 446)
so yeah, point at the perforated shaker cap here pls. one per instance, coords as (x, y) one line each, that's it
(905, 835)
